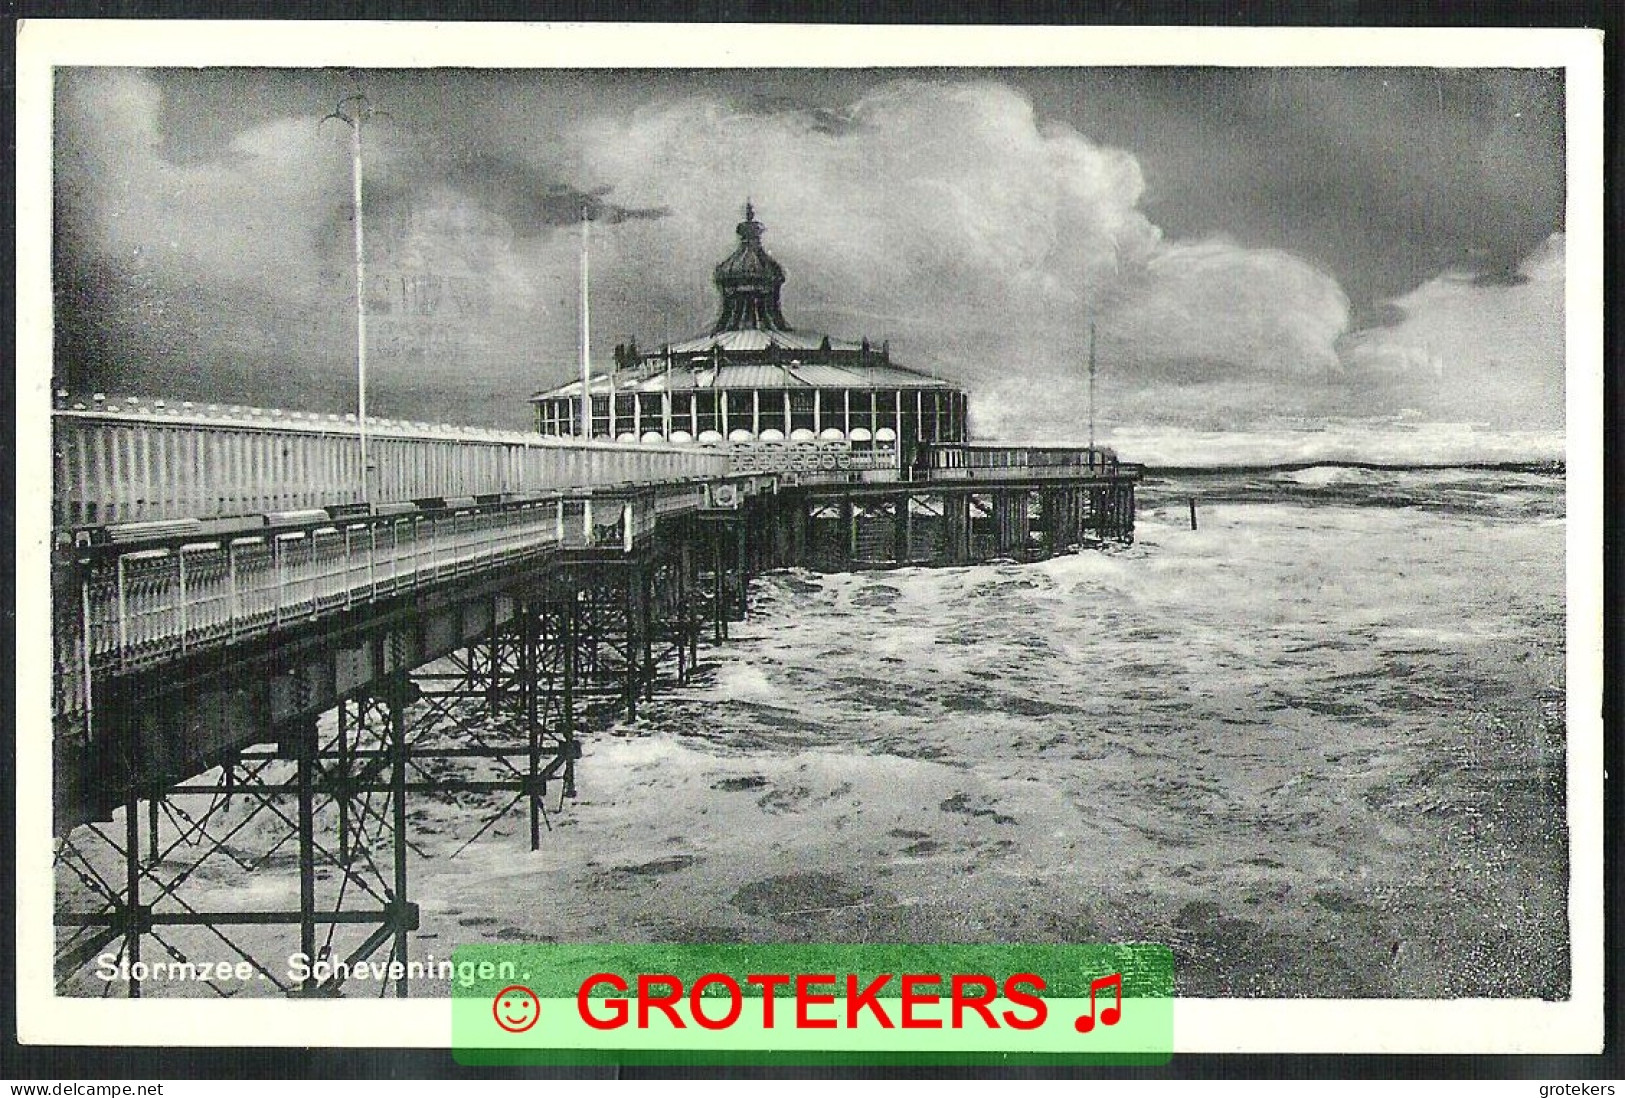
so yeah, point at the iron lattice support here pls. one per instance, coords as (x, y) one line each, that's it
(723, 587)
(315, 819)
(318, 818)
(625, 626)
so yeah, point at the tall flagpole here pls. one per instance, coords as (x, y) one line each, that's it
(586, 326)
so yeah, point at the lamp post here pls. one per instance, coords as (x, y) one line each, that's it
(353, 111)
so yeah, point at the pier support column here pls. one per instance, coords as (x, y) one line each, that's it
(1051, 520)
(799, 521)
(719, 583)
(688, 572)
(740, 603)
(1010, 522)
(902, 528)
(849, 532)
(404, 916)
(303, 744)
(956, 526)
(632, 625)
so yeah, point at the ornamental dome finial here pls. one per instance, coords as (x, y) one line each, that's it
(749, 282)
(749, 230)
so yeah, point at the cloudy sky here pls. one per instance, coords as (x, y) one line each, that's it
(1258, 249)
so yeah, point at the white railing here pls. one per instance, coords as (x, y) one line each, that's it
(140, 607)
(127, 462)
(830, 460)
(146, 606)
(982, 462)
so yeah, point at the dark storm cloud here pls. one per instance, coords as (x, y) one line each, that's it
(1385, 177)
(529, 198)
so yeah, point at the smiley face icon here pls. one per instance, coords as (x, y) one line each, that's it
(516, 1008)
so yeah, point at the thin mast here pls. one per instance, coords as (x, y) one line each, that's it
(360, 312)
(586, 326)
(1091, 392)
(353, 110)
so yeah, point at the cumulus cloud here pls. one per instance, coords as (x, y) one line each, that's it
(1216, 307)
(931, 201)
(1489, 349)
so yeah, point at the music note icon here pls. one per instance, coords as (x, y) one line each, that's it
(1108, 1015)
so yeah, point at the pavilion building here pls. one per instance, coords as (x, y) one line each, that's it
(754, 378)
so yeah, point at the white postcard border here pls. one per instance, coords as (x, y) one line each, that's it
(1202, 1025)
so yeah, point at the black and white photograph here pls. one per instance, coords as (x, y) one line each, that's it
(575, 498)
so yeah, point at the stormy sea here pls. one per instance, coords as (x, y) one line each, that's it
(1315, 745)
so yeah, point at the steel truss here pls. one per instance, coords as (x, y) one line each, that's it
(317, 821)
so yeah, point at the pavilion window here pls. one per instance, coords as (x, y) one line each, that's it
(863, 409)
(682, 412)
(705, 412)
(625, 405)
(886, 410)
(909, 420)
(600, 415)
(771, 412)
(649, 412)
(801, 409)
(832, 409)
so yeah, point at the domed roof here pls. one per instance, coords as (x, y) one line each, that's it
(749, 281)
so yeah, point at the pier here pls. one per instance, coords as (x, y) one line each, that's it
(268, 645)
